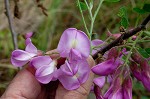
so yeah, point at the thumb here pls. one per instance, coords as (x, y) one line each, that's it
(24, 85)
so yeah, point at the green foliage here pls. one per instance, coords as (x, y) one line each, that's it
(138, 10)
(146, 7)
(124, 18)
(147, 50)
(147, 33)
(112, 0)
(144, 52)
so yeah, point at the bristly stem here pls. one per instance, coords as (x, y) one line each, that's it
(91, 15)
(87, 31)
(13, 33)
(124, 36)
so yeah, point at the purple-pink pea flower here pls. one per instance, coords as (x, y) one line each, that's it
(72, 75)
(117, 35)
(45, 68)
(141, 72)
(21, 57)
(109, 66)
(120, 89)
(76, 40)
(75, 46)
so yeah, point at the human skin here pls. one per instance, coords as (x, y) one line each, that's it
(25, 86)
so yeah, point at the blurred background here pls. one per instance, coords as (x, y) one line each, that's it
(50, 24)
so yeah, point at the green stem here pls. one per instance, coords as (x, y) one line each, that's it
(94, 17)
(87, 31)
(133, 46)
(90, 10)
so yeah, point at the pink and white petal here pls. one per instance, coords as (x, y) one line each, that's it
(45, 70)
(39, 61)
(69, 69)
(66, 69)
(83, 71)
(21, 55)
(31, 49)
(82, 43)
(66, 42)
(69, 82)
(97, 42)
(104, 68)
(100, 81)
(74, 55)
(116, 95)
(127, 88)
(28, 41)
(44, 79)
(18, 63)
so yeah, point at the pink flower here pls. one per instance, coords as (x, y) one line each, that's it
(109, 66)
(142, 72)
(120, 89)
(72, 75)
(76, 40)
(75, 46)
(45, 68)
(21, 57)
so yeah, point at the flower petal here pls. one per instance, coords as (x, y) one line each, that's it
(95, 43)
(127, 88)
(105, 68)
(44, 74)
(17, 63)
(74, 55)
(66, 42)
(28, 41)
(31, 48)
(69, 82)
(100, 81)
(72, 38)
(21, 55)
(73, 82)
(83, 44)
(66, 69)
(29, 34)
(43, 79)
(39, 61)
(83, 71)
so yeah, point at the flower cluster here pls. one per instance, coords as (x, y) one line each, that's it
(111, 68)
(141, 70)
(74, 46)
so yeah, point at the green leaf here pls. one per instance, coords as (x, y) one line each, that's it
(83, 6)
(124, 18)
(112, 0)
(147, 33)
(146, 7)
(143, 53)
(124, 22)
(138, 10)
(147, 50)
(122, 12)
